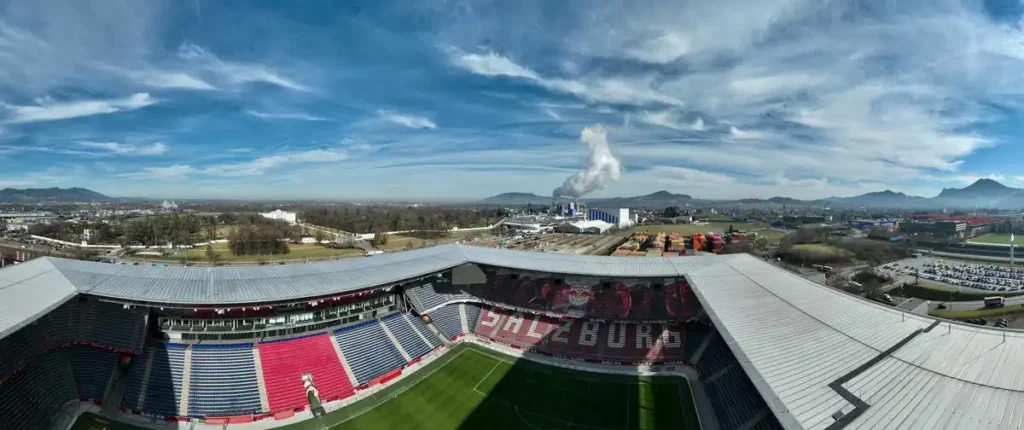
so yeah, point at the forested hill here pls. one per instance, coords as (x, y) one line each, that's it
(371, 219)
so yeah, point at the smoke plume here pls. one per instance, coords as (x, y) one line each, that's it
(602, 167)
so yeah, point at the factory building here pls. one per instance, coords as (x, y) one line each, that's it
(589, 227)
(280, 215)
(617, 217)
(874, 224)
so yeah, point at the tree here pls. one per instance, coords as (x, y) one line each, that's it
(211, 254)
(672, 212)
(379, 239)
(319, 235)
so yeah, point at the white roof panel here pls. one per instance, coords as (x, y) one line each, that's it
(28, 291)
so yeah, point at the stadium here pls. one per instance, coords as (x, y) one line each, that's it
(459, 336)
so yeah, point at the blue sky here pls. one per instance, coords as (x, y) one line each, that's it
(465, 99)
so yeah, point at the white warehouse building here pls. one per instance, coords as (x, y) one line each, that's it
(620, 217)
(280, 215)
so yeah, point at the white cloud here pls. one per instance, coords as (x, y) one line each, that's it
(156, 148)
(670, 119)
(493, 64)
(694, 176)
(554, 115)
(267, 163)
(47, 109)
(285, 115)
(636, 90)
(235, 73)
(406, 120)
(736, 133)
(169, 79)
(177, 171)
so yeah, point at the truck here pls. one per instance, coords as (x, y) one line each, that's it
(995, 302)
(373, 252)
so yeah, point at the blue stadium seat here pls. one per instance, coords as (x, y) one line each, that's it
(424, 330)
(472, 315)
(410, 341)
(447, 320)
(163, 394)
(223, 381)
(368, 351)
(426, 296)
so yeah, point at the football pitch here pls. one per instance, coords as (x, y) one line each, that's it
(474, 388)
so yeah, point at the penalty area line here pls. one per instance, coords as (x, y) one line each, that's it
(485, 378)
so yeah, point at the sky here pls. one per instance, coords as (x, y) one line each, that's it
(459, 100)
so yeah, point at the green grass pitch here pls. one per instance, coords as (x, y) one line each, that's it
(473, 388)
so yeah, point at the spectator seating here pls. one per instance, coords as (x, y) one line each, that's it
(92, 369)
(133, 388)
(72, 322)
(599, 341)
(426, 296)
(735, 399)
(472, 315)
(716, 357)
(285, 361)
(223, 381)
(406, 336)
(31, 399)
(421, 327)
(368, 351)
(163, 391)
(447, 320)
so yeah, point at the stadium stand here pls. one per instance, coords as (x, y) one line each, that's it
(447, 319)
(599, 341)
(283, 369)
(425, 296)
(472, 315)
(34, 396)
(403, 332)
(368, 351)
(423, 330)
(735, 399)
(163, 392)
(92, 370)
(223, 381)
(73, 323)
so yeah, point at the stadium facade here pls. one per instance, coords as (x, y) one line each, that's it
(231, 345)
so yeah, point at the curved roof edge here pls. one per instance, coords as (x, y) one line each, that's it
(263, 284)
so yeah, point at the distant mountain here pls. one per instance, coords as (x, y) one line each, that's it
(985, 193)
(32, 195)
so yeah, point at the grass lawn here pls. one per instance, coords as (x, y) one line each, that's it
(472, 388)
(996, 238)
(688, 229)
(821, 248)
(398, 242)
(90, 421)
(976, 313)
(930, 291)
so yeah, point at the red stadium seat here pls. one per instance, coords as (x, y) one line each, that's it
(284, 362)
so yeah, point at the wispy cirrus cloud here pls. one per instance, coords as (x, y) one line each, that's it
(48, 109)
(285, 115)
(406, 120)
(176, 171)
(235, 73)
(116, 148)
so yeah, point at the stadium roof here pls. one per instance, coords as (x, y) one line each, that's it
(820, 358)
(29, 291)
(261, 284)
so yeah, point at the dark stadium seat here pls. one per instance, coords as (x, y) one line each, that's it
(472, 315)
(411, 342)
(448, 320)
(426, 296)
(31, 399)
(285, 361)
(368, 351)
(92, 370)
(163, 390)
(223, 381)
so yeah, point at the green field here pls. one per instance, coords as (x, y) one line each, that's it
(298, 252)
(90, 421)
(995, 238)
(473, 388)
